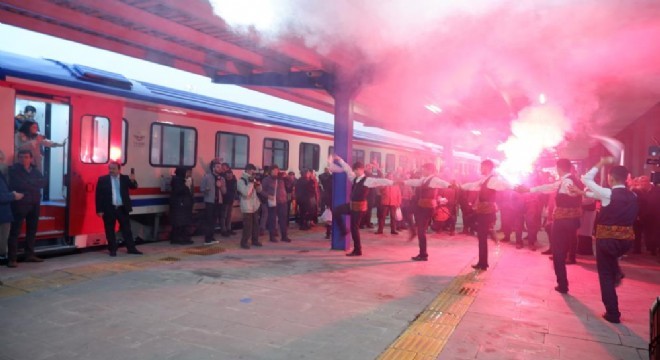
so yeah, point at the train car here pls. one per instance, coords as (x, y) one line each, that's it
(102, 116)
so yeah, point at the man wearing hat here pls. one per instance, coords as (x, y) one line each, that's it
(358, 204)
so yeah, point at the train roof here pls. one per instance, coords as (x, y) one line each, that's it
(97, 80)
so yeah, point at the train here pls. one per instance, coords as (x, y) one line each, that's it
(101, 116)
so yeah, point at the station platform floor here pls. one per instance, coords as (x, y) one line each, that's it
(301, 300)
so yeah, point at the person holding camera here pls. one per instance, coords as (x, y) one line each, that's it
(274, 186)
(248, 188)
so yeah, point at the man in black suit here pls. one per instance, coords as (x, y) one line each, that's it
(114, 204)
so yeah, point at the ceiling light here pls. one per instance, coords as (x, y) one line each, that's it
(434, 109)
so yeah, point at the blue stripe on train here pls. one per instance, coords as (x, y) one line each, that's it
(158, 201)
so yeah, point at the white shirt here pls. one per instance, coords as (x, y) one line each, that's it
(596, 191)
(561, 184)
(116, 195)
(435, 182)
(495, 183)
(370, 182)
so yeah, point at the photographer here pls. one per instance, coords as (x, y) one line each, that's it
(248, 188)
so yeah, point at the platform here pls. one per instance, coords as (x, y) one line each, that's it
(301, 300)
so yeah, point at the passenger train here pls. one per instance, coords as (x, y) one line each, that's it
(103, 116)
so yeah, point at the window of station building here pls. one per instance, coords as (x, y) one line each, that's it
(276, 152)
(172, 145)
(390, 163)
(124, 141)
(232, 148)
(309, 156)
(358, 155)
(375, 155)
(94, 139)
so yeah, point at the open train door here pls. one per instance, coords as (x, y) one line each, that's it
(96, 131)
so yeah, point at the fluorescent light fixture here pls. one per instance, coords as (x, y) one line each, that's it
(434, 109)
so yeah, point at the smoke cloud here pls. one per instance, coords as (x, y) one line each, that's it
(483, 62)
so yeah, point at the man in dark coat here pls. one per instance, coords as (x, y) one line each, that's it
(113, 204)
(228, 199)
(181, 206)
(6, 217)
(27, 180)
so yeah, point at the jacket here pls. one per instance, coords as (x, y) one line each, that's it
(390, 195)
(104, 193)
(6, 197)
(268, 188)
(181, 202)
(208, 188)
(27, 183)
(248, 194)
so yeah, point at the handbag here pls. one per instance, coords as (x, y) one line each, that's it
(326, 217)
(398, 215)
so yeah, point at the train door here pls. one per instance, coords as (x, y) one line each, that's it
(96, 138)
(41, 125)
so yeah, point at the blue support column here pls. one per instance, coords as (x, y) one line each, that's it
(343, 146)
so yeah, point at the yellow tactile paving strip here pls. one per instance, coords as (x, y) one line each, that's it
(77, 274)
(428, 334)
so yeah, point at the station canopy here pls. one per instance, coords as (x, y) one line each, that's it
(469, 74)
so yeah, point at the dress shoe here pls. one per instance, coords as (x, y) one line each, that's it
(33, 258)
(505, 240)
(561, 290)
(258, 244)
(452, 233)
(286, 240)
(532, 247)
(274, 240)
(611, 318)
(379, 232)
(420, 258)
(370, 226)
(247, 247)
(519, 246)
(394, 232)
(113, 254)
(571, 262)
(12, 264)
(135, 252)
(480, 267)
(547, 252)
(354, 253)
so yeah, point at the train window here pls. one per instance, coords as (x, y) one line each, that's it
(173, 145)
(276, 152)
(234, 149)
(358, 155)
(309, 156)
(124, 141)
(331, 150)
(94, 139)
(375, 156)
(403, 162)
(390, 165)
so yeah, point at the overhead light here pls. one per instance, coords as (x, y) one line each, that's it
(476, 132)
(434, 109)
(542, 99)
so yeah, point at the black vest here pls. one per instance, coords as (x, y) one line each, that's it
(622, 210)
(567, 201)
(359, 191)
(424, 191)
(486, 194)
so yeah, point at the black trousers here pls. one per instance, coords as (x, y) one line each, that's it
(110, 218)
(250, 228)
(212, 213)
(225, 216)
(356, 217)
(422, 219)
(29, 213)
(383, 212)
(483, 224)
(561, 235)
(608, 252)
(278, 212)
